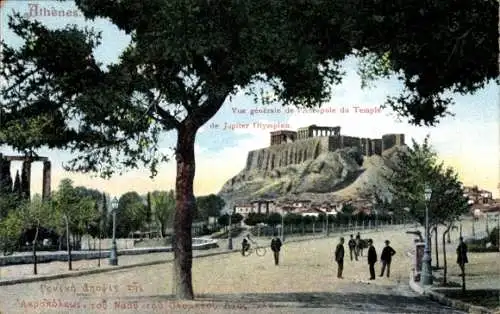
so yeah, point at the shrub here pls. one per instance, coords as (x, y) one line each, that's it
(478, 248)
(494, 236)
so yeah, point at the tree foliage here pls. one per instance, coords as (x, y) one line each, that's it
(273, 219)
(74, 207)
(253, 219)
(131, 214)
(417, 169)
(163, 207)
(209, 206)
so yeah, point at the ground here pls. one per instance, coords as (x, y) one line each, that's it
(304, 282)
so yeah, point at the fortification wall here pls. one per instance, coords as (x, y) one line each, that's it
(283, 155)
(376, 146)
(391, 140)
(350, 141)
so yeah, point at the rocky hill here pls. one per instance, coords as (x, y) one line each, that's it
(341, 174)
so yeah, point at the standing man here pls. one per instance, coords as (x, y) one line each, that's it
(359, 249)
(275, 247)
(462, 255)
(386, 258)
(372, 258)
(339, 258)
(352, 248)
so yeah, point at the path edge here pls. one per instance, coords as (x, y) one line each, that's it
(442, 299)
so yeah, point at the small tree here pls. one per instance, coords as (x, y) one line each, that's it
(72, 213)
(209, 206)
(11, 228)
(255, 218)
(31, 216)
(494, 236)
(223, 220)
(236, 218)
(274, 219)
(163, 207)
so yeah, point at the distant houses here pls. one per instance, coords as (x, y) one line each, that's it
(481, 201)
(301, 207)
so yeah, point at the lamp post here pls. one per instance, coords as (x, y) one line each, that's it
(229, 235)
(113, 256)
(327, 228)
(283, 226)
(426, 260)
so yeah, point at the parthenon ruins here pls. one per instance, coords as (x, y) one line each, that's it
(6, 179)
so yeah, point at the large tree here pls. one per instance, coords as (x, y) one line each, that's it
(186, 58)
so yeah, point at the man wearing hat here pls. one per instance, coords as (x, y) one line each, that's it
(386, 258)
(339, 257)
(372, 258)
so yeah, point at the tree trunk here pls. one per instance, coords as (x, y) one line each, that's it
(445, 263)
(60, 242)
(35, 262)
(185, 205)
(99, 258)
(436, 246)
(68, 243)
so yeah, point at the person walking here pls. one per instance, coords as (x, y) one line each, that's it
(386, 258)
(462, 255)
(339, 258)
(276, 247)
(352, 248)
(372, 258)
(359, 248)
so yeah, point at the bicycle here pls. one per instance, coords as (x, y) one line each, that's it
(259, 250)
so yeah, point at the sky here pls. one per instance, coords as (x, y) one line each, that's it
(469, 141)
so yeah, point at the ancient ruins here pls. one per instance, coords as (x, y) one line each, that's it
(6, 178)
(294, 147)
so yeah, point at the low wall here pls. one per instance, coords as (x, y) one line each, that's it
(93, 244)
(45, 257)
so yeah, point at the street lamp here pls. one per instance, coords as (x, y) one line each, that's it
(283, 226)
(426, 260)
(327, 228)
(113, 256)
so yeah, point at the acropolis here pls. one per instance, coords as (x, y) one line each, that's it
(294, 147)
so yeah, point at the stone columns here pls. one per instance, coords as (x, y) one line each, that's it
(26, 179)
(46, 180)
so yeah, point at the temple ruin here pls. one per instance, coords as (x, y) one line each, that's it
(6, 178)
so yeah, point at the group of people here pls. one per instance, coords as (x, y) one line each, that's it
(355, 249)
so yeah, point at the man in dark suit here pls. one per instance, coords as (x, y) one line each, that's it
(372, 258)
(386, 258)
(339, 258)
(352, 248)
(276, 247)
(462, 255)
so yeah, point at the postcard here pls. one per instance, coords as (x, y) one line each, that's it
(249, 157)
